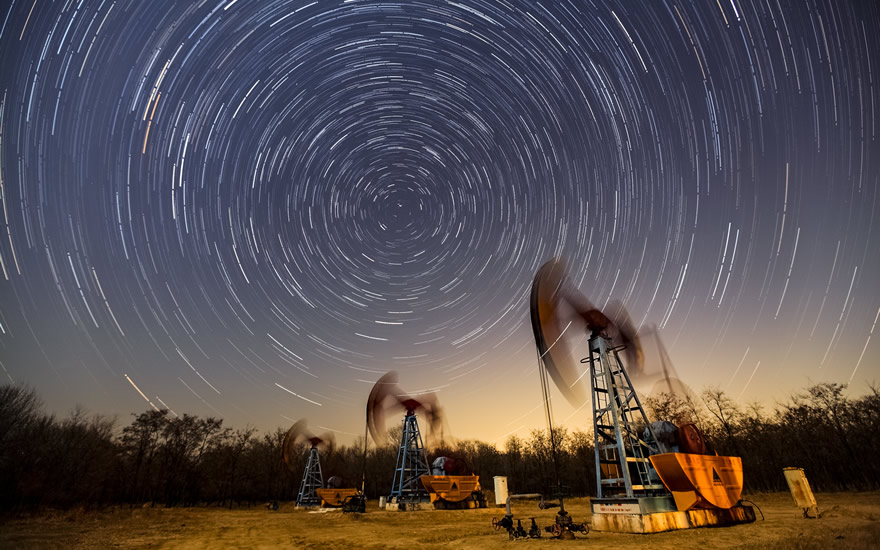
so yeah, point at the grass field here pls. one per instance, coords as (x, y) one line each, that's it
(849, 520)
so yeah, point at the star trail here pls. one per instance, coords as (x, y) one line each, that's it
(254, 209)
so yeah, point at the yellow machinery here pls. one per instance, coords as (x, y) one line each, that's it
(334, 498)
(453, 491)
(335, 493)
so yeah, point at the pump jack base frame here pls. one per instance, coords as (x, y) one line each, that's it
(411, 504)
(657, 514)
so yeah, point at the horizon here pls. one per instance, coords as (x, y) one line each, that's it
(449, 438)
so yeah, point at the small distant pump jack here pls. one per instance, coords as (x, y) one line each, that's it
(312, 492)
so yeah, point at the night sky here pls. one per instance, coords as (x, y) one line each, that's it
(253, 209)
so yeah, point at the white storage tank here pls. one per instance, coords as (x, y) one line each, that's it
(500, 490)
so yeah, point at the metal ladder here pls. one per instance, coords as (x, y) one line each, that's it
(622, 464)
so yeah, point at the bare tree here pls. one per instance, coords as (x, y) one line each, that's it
(724, 410)
(669, 407)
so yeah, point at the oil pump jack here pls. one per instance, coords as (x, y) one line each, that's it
(312, 480)
(644, 483)
(312, 491)
(407, 491)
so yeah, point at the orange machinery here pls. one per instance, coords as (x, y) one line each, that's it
(696, 477)
(334, 495)
(454, 490)
(700, 481)
(334, 498)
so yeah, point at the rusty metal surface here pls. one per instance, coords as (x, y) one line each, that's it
(691, 440)
(701, 480)
(801, 491)
(669, 521)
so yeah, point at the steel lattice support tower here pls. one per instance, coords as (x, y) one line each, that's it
(312, 480)
(622, 464)
(412, 463)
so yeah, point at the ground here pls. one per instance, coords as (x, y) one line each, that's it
(849, 520)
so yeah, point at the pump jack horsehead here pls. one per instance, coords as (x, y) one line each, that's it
(649, 476)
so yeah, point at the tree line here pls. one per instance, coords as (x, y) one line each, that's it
(163, 459)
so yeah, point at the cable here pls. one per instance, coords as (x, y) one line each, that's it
(753, 504)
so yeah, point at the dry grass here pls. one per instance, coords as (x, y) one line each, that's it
(849, 520)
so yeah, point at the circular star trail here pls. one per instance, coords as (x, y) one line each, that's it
(253, 209)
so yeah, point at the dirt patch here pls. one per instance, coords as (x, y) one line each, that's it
(849, 520)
